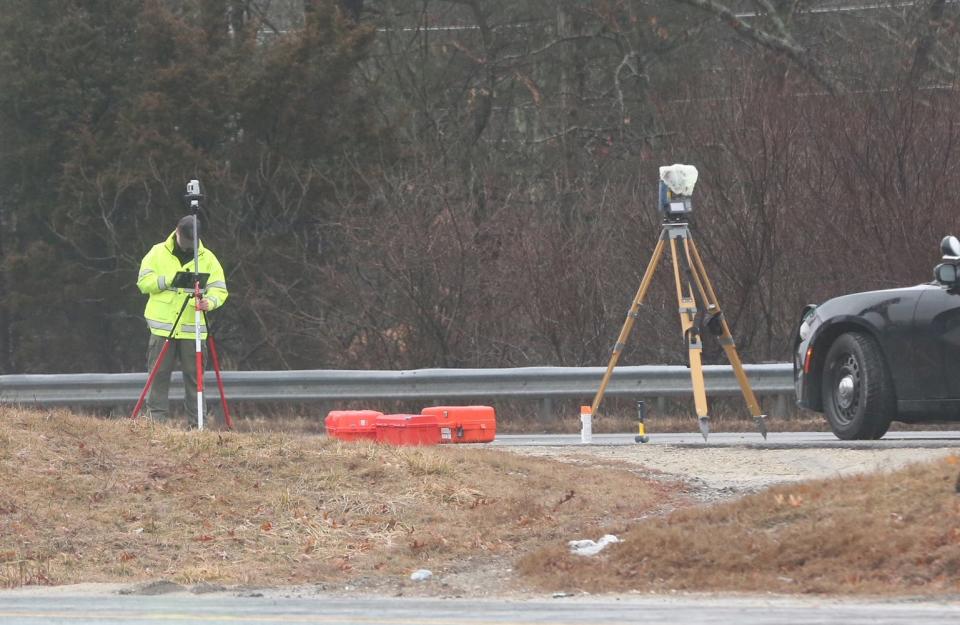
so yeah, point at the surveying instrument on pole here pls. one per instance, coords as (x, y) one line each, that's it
(676, 206)
(193, 285)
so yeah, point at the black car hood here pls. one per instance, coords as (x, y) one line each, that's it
(871, 304)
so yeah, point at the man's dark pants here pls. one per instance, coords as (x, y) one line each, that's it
(182, 352)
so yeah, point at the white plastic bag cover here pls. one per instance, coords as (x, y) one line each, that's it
(680, 178)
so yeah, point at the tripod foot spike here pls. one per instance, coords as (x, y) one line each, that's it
(761, 422)
(705, 426)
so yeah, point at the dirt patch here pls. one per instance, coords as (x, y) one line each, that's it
(713, 474)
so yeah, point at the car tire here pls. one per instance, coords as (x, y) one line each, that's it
(858, 395)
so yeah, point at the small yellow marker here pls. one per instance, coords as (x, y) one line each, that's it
(641, 436)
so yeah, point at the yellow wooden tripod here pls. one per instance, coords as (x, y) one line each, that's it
(681, 241)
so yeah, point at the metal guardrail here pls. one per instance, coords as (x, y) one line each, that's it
(544, 383)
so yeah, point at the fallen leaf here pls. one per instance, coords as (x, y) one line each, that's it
(566, 497)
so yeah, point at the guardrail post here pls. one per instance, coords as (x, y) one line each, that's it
(546, 408)
(780, 408)
(323, 408)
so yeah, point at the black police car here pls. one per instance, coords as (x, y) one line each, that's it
(867, 359)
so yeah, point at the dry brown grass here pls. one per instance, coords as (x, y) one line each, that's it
(88, 499)
(602, 424)
(892, 533)
(612, 424)
(528, 423)
(617, 415)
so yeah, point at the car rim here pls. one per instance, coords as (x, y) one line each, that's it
(846, 397)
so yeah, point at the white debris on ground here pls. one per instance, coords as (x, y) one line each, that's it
(421, 575)
(590, 547)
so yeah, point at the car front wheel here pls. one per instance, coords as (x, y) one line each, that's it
(858, 396)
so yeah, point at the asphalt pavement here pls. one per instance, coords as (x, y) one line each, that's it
(774, 440)
(254, 609)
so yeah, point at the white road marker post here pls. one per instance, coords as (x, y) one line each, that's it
(586, 425)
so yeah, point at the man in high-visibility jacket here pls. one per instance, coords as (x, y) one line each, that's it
(157, 271)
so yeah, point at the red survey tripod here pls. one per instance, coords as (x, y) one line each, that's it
(216, 368)
(194, 196)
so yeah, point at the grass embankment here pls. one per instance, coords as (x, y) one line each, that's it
(87, 500)
(891, 534)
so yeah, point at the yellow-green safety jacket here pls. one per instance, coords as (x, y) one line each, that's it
(157, 270)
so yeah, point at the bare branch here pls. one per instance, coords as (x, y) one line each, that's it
(785, 45)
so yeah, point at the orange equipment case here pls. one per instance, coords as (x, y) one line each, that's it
(465, 424)
(352, 425)
(408, 429)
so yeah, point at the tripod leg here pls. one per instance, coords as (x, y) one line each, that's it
(153, 373)
(708, 302)
(628, 323)
(729, 346)
(687, 307)
(156, 365)
(216, 370)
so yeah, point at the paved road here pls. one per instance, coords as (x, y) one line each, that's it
(231, 609)
(729, 464)
(775, 440)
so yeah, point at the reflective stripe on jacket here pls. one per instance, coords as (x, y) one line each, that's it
(157, 270)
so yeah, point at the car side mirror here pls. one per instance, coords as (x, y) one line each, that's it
(946, 274)
(950, 247)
